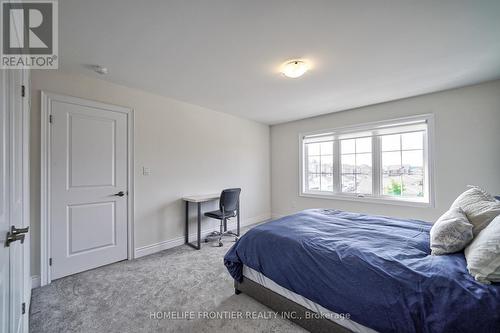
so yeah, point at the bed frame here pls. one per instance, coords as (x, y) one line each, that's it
(281, 304)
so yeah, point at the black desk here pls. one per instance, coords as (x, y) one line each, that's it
(198, 200)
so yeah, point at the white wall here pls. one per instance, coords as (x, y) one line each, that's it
(190, 150)
(467, 149)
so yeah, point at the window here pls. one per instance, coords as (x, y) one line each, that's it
(402, 164)
(356, 160)
(320, 166)
(381, 161)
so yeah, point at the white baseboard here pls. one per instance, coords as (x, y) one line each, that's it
(35, 281)
(170, 243)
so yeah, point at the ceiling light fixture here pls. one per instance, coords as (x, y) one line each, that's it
(294, 68)
(101, 70)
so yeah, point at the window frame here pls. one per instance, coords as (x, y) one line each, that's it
(377, 177)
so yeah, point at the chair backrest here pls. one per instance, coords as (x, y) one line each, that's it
(229, 199)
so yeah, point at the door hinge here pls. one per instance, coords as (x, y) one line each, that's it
(23, 91)
(50, 261)
(23, 308)
(51, 119)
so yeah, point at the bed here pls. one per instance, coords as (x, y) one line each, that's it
(360, 273)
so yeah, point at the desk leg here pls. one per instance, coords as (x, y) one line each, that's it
(186, 228)
(198, 245)
(199, 225)
(238, 219)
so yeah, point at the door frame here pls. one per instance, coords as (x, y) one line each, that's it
(45, 184)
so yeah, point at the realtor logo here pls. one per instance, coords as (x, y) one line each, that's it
(29, 34)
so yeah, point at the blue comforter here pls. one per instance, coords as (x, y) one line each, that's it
(377, 269)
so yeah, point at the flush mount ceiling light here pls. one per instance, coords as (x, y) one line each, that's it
(294, 68)
(100, 70)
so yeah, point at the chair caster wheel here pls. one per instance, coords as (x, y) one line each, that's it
(206, 240)
(220, 244)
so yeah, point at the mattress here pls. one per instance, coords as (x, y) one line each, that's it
(378, 269)
(259, 278)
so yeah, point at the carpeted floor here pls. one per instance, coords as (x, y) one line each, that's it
(126, 297)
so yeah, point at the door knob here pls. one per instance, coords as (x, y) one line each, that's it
(120, 194)
(12, 238)
(17, 231)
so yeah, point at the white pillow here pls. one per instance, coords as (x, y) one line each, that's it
(483, 254)
(451, 232)
(479, 206)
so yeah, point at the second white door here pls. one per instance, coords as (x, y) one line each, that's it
(88, 180)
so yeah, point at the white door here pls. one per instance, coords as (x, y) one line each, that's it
(4, 206)
(26, 107)
(14, 292)
(88, 181)
(16, 199)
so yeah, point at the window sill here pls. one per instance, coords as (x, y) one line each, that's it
(369, 199)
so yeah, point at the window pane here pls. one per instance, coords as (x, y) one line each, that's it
(314, 164)
(348, 185)
(392, 185)
(347, 146)
(413, 185)
(391, 163)
(413, 159)
(313, 149)
(326, 183)
(413, 140)
(364, 163)
(326, 148)
(327, 164)
(313, 182)
(364, 145)
(348, 163)
(391, 142)
(364, 183)
(364, 173)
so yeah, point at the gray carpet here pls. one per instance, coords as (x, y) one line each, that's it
(122, 297)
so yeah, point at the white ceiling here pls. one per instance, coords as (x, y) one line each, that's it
(224, 54)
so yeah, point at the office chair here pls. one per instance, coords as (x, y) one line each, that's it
(229, 204)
